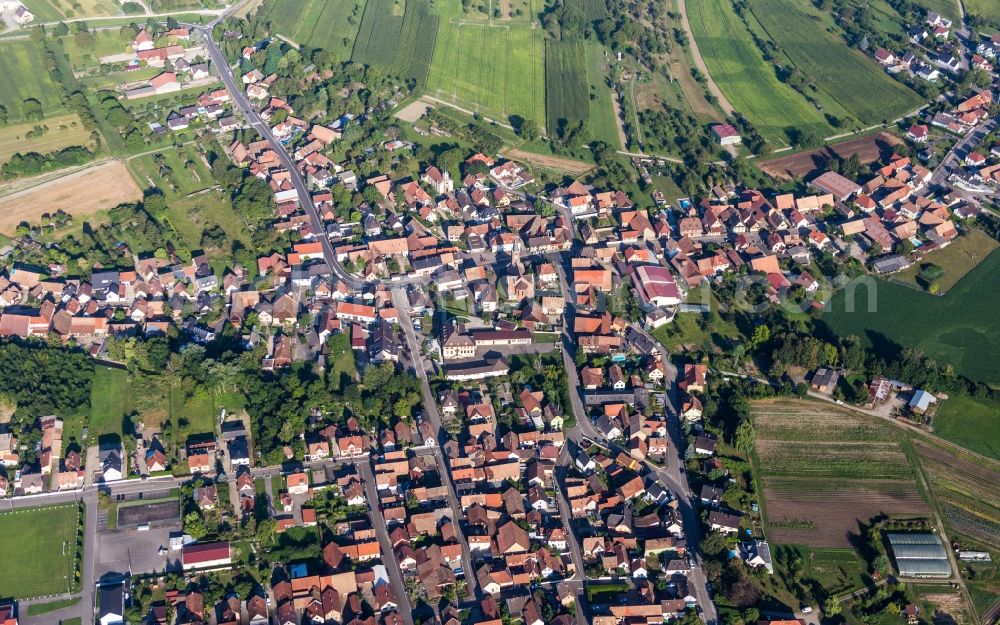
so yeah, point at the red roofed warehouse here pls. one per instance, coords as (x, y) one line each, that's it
(206, 556)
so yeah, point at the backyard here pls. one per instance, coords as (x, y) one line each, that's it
(957, 260)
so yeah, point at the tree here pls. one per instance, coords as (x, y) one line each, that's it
(832, 607)
(528, 130)
(745, 436)
(761, 335)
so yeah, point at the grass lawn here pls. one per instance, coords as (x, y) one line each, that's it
(104, 43)
(958, 259)
(972, 423)
(21, 65)
(198, 411)
(342, 364)
(109, 401)
(63, 130)
(41, 560)
(958, 328)
(696, 329)
(496, 69)
(747, 81)
(44, 608)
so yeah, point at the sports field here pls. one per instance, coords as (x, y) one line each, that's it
(747, 81)
(328, 24)
(39, 551)
(846, 76)
(958, 328)
(497, 70)
(20, 63)
(63, 131)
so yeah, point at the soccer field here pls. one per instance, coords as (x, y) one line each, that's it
(497, 70)
(39, 551)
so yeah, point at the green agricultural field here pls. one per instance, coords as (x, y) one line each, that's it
(748, 82)
(109, 401)
(845, 75)
(40, 560)
(328, 24)
(497, 70)
(958, 328)
(972, 423)
(401, 45)
(21, 64)
(566, 92)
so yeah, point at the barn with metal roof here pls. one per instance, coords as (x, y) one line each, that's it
(920, 555)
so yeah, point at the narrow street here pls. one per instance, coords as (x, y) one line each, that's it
(382, 531)
(431, 413)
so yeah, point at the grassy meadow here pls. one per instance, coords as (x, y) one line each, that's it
(970, 422)
(63, 131)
